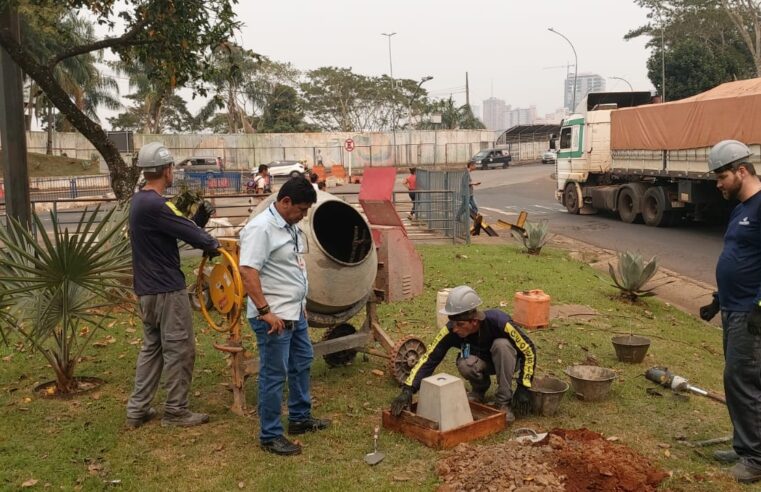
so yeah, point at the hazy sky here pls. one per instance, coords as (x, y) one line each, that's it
(503, 45)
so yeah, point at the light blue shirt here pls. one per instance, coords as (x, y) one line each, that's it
(275, 249)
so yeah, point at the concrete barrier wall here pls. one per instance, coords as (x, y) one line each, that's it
(246, 151)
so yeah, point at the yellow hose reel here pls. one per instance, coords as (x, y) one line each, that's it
(225, 289)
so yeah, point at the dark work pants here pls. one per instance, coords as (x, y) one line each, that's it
(502, 364)
(742, 385)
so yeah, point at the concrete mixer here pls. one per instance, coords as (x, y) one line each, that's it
(342, 264)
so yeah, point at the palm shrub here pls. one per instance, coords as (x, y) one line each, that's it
(535, 236)
(631, 274)
(58, 291)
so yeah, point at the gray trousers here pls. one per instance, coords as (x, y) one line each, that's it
(477, 371)
(742, 385)
(168, 346)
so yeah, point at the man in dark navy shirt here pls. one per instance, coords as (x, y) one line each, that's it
(168, 340)
(738, 277)
(489, 343)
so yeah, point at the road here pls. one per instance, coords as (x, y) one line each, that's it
(690, 249)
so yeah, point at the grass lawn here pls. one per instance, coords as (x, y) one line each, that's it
(82, 443)
(41, 165)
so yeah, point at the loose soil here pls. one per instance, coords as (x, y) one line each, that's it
(566, 460)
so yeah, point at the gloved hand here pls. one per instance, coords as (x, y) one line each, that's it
(521, 402)
(204, 213)
(708, 311)
(402, 402)
(754, 320)
(212, 253)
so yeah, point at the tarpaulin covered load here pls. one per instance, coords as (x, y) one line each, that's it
(731, 110)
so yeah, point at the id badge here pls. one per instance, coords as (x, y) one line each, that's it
(302, 263)
(465, 350)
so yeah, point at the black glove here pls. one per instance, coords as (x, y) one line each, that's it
(402, 402)
(204, 213)
(521, 403)
(754, 320)
(212, 253)
(708, 311)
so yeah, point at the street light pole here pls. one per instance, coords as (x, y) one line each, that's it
(409, 117)
(627, 82)
(576, 64)
(393, 88)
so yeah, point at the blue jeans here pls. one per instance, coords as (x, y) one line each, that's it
(285, 356)
(742, 385)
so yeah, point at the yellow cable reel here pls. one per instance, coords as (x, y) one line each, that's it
(225, 288)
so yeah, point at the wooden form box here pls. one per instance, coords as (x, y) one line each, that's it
(486, 421)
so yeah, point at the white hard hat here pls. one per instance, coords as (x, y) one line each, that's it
(727, 152)
(153, 156)
(462, 299)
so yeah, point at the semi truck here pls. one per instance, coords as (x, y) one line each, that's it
(648, 162)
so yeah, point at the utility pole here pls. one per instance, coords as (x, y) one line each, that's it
(467, 91)
(12, 127)
(393, 92)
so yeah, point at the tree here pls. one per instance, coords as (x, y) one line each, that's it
(452, 116)
(172, 40)
(283, 113)
(746, 16)
(703, 47)
(174, 117)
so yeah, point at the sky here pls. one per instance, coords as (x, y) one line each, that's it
(503, 45)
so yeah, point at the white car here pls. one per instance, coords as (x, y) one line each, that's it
(286, 168)
(549, 157)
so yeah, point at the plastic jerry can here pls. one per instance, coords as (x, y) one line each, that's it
(531, 309)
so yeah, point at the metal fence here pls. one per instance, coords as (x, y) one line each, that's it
(442, 202)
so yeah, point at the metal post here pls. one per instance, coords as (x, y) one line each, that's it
(393, 88)
(575, 72)
(631, 89)
(12, 128)
(409, 112)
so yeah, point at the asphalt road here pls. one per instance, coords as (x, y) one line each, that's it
(689, 249)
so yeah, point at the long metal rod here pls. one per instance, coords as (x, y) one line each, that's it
(576, 70)
(393, 89)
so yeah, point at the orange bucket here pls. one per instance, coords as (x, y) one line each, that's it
(531, 309)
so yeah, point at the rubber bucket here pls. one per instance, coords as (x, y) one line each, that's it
(590, 383)
(546, 394)
(630, 348)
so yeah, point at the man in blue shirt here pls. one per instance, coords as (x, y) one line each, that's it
(738, 277)
(168, 342)
(274, 276)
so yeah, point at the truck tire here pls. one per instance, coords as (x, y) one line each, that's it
(571, 199)
(628, 205)
(654, 211)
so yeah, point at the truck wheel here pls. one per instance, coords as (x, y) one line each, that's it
(654, 211)
(628, 205)
(571, 199)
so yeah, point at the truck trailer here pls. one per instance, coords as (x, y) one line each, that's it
(649, 162)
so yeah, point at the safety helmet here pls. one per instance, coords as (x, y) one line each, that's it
(461, 300)
(153, 156)
(727, 152)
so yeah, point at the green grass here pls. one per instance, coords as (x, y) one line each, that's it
(41, 165)
(82, 442)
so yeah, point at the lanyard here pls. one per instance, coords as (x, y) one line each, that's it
(291, 230)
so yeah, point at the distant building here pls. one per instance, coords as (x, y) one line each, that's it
(585, 83)
(476, 109)
(553, 118)
(520, 116)
(494, 114)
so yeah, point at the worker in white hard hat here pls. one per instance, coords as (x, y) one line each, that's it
(738, 277)
(489, 343)
(168, 341)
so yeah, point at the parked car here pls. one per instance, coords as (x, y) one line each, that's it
(549, 157)
(286, 168)
(201, 164)
(491, 158)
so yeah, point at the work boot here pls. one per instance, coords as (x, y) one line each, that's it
(744, 473)
(134, 423)
(281, 445)
(309, 425)
(184, 419)
(726, 456)
(477, 396)
(509, 415)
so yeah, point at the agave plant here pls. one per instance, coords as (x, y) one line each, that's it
(535, 236)
(631, 274)
(56, 292)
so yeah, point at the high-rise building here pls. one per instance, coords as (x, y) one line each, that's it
(476, 109)
(494, 114)
(585, 83)
(521, 116)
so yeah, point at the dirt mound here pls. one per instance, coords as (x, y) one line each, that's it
(567, 459)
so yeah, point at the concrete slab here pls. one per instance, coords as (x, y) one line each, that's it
(442, 399)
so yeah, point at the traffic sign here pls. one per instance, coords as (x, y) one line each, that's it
(349, 145)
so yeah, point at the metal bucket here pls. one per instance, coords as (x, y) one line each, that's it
(630, 348)
(590, 383)
(546, 393)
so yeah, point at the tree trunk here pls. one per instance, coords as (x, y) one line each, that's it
(49, 143)
(123, 178)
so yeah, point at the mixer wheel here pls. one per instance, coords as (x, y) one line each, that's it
(344, 357)
(403, 357)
